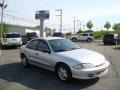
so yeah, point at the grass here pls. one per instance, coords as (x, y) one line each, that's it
(100, 34)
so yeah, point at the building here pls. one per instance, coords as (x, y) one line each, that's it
(23, 30)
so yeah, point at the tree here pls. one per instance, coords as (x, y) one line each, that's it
(89, 24)
(107, 25)
(48, 31)
(5, 29)
(37, 27)
(79, 31)
(116, 27)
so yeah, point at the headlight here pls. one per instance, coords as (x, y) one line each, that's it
(83, 66)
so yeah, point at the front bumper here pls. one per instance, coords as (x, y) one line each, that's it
(90, 73)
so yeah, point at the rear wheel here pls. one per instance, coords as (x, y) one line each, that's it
(74, 39)
(64, 73)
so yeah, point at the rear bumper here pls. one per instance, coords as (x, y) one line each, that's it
(90, 73)
(12, 44)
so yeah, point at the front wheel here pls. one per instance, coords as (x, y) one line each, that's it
(89, 39)
(24, 61)
(64, 73)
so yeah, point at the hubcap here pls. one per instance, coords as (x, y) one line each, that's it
(63, 73)
(74, 40)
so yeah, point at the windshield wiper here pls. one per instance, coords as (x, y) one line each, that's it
(74, 48)
(61, 50)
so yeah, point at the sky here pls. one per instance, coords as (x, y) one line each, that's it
(99, 11)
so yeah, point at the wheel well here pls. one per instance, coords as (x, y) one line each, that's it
(60, 63)
(22, 54)
(74, 38)
(88, 38)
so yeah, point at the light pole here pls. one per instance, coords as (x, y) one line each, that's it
(74, 24)
(83, 27)
(3, 6)
(60, 10)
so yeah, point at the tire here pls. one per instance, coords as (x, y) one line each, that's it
(89, 39)
(74, 39)
(63, 73)
(24, 61)
(116, 43)
(104, 43)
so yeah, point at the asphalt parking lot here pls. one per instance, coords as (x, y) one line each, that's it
(14, 77)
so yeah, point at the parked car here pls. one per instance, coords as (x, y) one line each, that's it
(32, 35)
(82, 36)
(64, 57)
(12, 39)
(29, 36)
(57, 34)
(111, 39)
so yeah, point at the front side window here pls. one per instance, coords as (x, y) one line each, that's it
(61, 45)
(43, 46)
(32, 44)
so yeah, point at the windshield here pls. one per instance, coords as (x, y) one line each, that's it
(61, 45)
(109, 36)
(13, 36)
(32, 34)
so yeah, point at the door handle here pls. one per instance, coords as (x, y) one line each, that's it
(36, 54)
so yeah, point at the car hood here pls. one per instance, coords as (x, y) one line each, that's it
(84, 56)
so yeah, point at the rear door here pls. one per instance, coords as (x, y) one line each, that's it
(31, 51)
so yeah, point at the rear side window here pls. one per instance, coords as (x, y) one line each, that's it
(13, 36)
(33, 44)
(91, 34)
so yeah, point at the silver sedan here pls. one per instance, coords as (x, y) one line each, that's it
(64, 57)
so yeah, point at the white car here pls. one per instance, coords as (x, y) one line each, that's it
(12, 39)
(64, 57)
(83, 37)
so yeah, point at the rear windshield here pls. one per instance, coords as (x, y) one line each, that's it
(57, 34)
(13, 36)
(91, 35)
(109, 35)
(32, 35)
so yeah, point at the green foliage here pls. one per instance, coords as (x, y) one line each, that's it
(89, 24)
(79, 31)
(4, 30)
(37, 27)
(48, 31)
(99, 34)
(116, 26)
(107, 25)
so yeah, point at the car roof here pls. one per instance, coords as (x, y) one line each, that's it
(50, 38)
